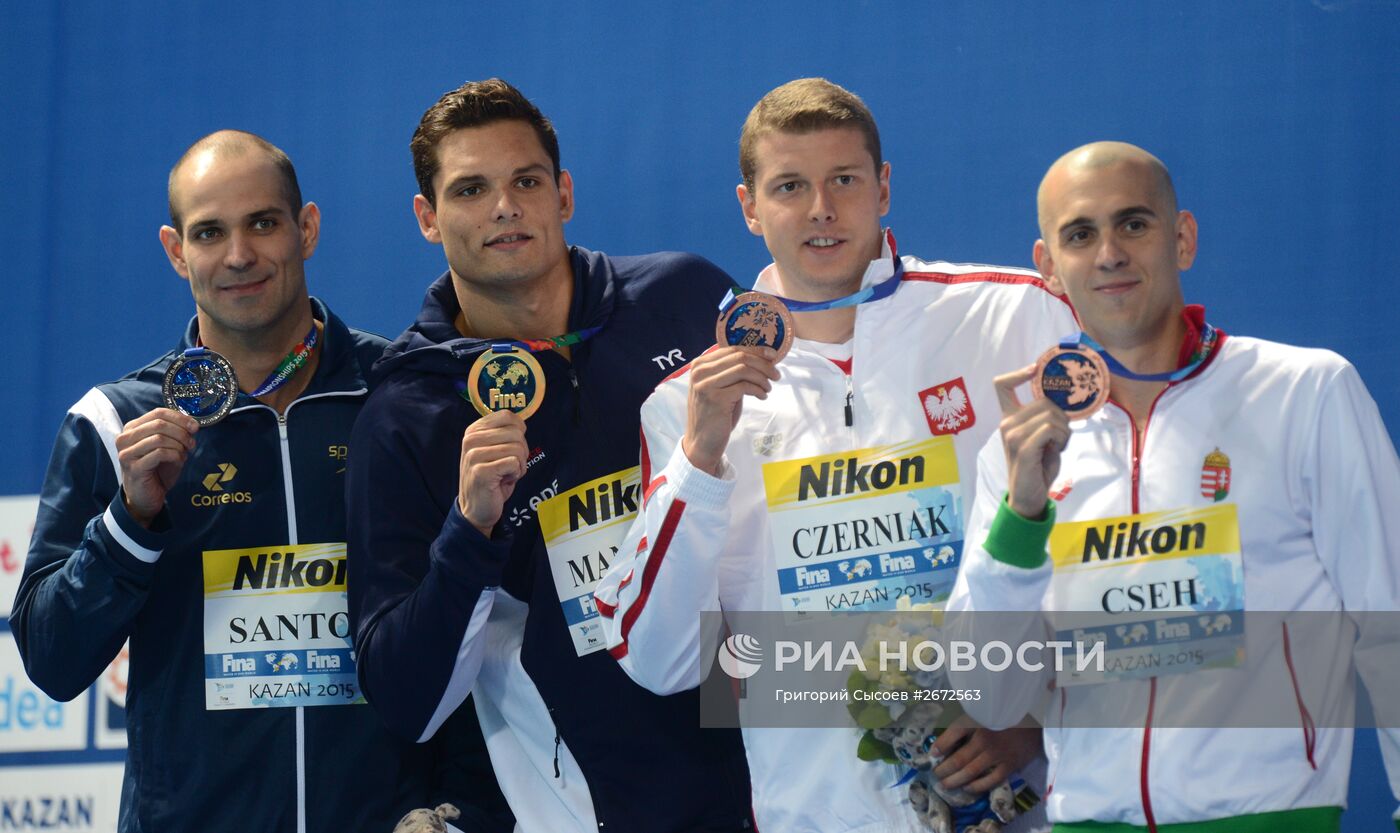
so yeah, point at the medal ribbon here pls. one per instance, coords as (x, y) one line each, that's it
(535, 345)
(289, 365)
(875, 292)
(1206, 345)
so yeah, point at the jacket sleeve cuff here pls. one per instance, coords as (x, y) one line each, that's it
(145, 545)
(697, 487)
(463, 552)
(1020, 541)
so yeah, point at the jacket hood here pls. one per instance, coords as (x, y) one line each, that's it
(432, 344)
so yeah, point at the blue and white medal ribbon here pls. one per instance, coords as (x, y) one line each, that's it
(1209, 337)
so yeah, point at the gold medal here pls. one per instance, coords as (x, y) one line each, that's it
(506, 380)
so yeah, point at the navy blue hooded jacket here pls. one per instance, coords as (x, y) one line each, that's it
(96, 578)
(427, 589)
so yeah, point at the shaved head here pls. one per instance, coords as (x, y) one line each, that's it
(1094, 156)
(227, 144)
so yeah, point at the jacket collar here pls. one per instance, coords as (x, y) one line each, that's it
(336, 370)
(434, 330)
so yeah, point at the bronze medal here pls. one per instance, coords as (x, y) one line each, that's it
(1074, 378)
(756, 319)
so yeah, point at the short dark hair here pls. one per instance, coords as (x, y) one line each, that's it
(474, 104)
(803, 106)
(231, 142)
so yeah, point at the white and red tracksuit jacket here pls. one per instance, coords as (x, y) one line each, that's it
(701, 543)
(1316, 486)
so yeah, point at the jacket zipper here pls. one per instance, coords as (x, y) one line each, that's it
(850, 397)
(573, 380)
(1139, 441)
(286, 450)
(284, 446)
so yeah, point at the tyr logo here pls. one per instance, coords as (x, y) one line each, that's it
(670, 359)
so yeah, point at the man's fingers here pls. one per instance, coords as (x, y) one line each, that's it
(722, 361)
(486, 455)
(989, 779)
(959, 768)
(1006, 385)
(736, 375)
(504, 470)
(149, 452)
(951, 737)
(492, 437)
(155, 424)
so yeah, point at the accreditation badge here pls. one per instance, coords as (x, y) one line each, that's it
(1163, 592)
(200, 383)
(276, 631)
(583, 529)
(861, 530)
(1074, 378)
(506, 379)
(756, 319)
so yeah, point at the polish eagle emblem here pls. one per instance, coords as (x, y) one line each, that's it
(947, 407)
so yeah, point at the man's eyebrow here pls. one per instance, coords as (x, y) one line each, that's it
(462, 180)
(201, 225)
(1134, 211)
(1118, 216)
(1075, 223)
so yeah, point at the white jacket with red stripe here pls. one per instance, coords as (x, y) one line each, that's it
(1316, 485)
(703, 543)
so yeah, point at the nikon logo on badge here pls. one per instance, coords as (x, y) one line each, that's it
(1124, 541)
(609, 499)
(276, 569)
(214, 482)
(848, 476)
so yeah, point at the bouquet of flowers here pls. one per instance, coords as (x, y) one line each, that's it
(902, 711)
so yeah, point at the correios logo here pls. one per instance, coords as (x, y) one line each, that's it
(214, 494)
(213, 482)
(740, 656)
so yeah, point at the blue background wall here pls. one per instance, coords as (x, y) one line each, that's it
(1278, 120)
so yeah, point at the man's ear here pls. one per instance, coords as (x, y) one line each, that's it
(566, 196)
(1186, 240)
(884, 189)
(174, 246)
(750, 209)
(310, 223)
(1046, 265)
(427, 219)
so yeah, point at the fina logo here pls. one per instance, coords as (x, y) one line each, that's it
(740, 656)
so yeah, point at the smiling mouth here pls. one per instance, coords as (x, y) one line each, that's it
(241, 288)
(1116, 288)
(508, 239)
(823, 242)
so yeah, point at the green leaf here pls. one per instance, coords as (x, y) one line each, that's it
(859, 682)
(871, 749)
(873, 716)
